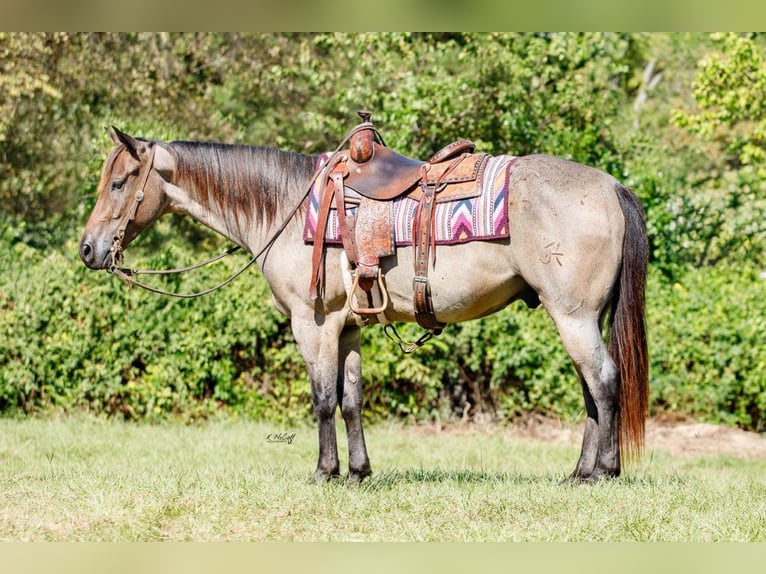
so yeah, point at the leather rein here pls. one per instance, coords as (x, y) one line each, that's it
(127, 274)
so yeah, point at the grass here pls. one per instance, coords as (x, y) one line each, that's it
(83, 479)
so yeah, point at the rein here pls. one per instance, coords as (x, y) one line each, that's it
(126, 274)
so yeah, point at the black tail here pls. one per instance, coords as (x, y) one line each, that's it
(627, 329)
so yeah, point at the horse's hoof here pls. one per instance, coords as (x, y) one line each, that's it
(357, 477)
(321, 476)
(592, 478)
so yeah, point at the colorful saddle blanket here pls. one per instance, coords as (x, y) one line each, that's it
(479, 218)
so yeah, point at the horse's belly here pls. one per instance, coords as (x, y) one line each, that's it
(467, 281)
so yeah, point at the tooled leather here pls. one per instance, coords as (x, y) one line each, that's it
(368, 234)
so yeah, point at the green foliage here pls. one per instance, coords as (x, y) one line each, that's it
(512, 93)
(730, 91)
(707, 356)
(723, 213)
(678, 117)
(73, 340)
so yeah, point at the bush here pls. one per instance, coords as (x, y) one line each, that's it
(706, 346)
(76, 340)
(70, 339)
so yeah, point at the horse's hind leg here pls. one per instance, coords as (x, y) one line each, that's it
(600, 454)
(350, 398)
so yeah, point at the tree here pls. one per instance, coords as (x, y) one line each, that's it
(730, 120)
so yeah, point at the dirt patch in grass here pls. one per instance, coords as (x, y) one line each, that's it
(678, 438)
(696, 439)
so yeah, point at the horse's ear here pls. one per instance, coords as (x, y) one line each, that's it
(131, 143)
(113, 135)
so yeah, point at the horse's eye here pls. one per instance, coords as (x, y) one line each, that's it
(118, 185)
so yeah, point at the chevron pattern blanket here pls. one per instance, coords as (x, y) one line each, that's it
(481, 218)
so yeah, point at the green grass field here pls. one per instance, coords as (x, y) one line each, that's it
(83, 479)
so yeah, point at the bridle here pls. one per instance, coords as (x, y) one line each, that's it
(127, 274)
(116, 251)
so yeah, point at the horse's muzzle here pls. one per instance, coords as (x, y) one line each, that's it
(92, 256)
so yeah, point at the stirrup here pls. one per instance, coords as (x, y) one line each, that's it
(372, 310)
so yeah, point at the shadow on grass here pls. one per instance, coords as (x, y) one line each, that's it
(392, 478)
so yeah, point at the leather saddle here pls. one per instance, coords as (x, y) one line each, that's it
(369, 176)
(386, 174)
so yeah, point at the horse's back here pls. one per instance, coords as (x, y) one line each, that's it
(562, 188)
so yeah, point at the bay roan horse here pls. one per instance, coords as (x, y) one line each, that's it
(250, 195)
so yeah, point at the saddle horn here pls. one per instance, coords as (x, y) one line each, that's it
(361, 144)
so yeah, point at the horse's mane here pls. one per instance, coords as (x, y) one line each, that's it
(243, 180)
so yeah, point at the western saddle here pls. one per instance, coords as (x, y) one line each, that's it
(370, 176)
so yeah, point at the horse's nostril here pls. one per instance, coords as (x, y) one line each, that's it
(86, 250)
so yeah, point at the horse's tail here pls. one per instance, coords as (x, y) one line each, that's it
(627, 328)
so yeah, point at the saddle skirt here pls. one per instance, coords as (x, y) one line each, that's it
(479, 216)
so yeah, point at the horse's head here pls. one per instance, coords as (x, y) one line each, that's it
(130, 198)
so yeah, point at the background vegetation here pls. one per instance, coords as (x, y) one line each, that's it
(681, 118)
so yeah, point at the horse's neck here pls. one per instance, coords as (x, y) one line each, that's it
(249, 230)
(184, 202)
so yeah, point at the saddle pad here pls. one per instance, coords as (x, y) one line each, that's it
(479, 218)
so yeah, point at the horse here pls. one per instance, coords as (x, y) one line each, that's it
(577, 246)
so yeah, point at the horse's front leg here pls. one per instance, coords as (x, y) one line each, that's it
(319, 347)
(350, 398)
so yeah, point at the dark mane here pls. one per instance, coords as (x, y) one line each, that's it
(244, 180)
